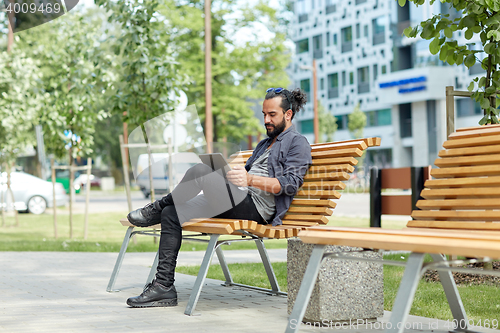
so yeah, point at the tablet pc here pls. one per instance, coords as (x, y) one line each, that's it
(216, 161)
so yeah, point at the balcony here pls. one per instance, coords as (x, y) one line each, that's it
(303, 18)
(333, 92)
(331, 9)
(318, 54)
(346, 46)
(363, 87)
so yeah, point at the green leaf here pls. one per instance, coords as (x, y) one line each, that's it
(401, 3)
(490, 48)
(483, 120)
(485, 103)
(448, 32)
(470, 87)
(482, 82)
(468, 21)
(470, 60)
(468, 34)
(490, 90)
(434, 46)
(407, 32)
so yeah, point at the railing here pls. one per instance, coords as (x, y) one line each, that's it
(318, 54)
(331, 9)
(363, 87)
(333, 92)
(303, 18)
(346, 47)
(378, 38)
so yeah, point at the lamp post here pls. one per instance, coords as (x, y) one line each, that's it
(315, 99)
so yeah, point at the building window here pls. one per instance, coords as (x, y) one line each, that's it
(343, 79)
(333, 85)
(341, 122)
(302, 8)
(358, 31)
(346, 39)
(307, 126)
(378, 29)
(375, 72)
(405, 120)
(384, 69)
(317, 47)
(305, 85)
(363, 80)
(302, 46)
(351, 78)
(327, 39)
(466, 107)
(334, 39)
(365, 33)
(322, 84)
(359, 2)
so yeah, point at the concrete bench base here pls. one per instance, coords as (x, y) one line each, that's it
(345, 290)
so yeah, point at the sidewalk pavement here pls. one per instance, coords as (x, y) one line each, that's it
(65, 292)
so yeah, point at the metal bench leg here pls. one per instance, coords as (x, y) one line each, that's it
(119, 260)
(306, 288)
(225, 268)
(267, 265)
(406, 292)
(202, 274)
(453, 297)
(152, 271)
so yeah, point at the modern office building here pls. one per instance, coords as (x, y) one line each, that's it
(362, 58)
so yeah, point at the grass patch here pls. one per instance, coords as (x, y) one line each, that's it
(481, 302)
(105, 234)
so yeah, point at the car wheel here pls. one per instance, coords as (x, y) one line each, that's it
(37, 205)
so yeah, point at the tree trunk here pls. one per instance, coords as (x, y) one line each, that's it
(9, 169)
(71, 192)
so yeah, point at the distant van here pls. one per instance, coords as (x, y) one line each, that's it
(182, 162)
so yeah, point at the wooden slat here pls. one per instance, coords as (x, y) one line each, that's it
(468, 160)
(459, 204)
(311, 210)
(359, 144)
(317, 194)
(476, 132)
(327, 176)
(463, 129)
(463, 182)
(459, 215)
(330, 168)
(300, 223)
(464, 225)
(313, 203)
(474, 171)
(472, 192)
(370, 142)
(332, 161)
(353, 152)
(470, 151)
(309, 218)
(209, 228)
(406, 242)
(325, 185)
(472, 142)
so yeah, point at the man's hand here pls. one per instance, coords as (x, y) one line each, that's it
(239, 176)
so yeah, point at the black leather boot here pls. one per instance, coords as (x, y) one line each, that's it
(154, 295)
(151, 213)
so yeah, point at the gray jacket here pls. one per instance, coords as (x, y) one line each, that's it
(289, 159)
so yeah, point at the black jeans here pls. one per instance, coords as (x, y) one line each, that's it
(185, 203)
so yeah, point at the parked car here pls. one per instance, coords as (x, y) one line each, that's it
(182, 162)
(81, 181)
(62, 176)
(32, 194)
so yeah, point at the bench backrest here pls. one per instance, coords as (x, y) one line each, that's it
(465, 191)
(332, 164)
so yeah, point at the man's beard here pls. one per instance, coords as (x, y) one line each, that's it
(276, 130)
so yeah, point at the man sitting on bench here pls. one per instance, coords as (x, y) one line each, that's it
(270, 191)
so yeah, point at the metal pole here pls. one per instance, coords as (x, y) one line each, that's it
(150, 171)
(53, 172)
(208, 76)
(87, 198)
(170, 167)
(315, 103)
(450, 111)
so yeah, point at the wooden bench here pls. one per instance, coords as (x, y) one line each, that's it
(458, 215)
(331, 166)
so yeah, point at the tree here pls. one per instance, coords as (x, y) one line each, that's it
(242, 70)
(479, 18)
(146, 70)
(356, 122)
(327, 123)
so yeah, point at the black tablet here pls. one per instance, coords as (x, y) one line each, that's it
(216, 161)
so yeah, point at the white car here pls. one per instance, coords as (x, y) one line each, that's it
(31, 193)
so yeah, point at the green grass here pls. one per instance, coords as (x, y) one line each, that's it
(481, 302)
